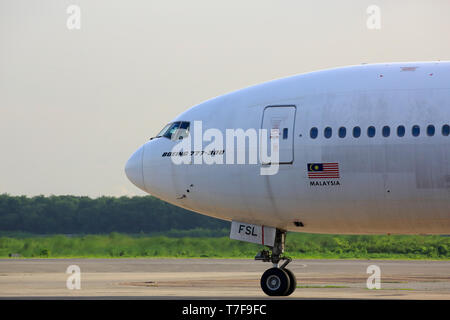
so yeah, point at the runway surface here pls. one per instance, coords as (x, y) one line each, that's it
(219, 279)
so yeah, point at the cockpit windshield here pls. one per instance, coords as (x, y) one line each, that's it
(175, 130)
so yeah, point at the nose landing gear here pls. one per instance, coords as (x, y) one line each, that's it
(277, 281)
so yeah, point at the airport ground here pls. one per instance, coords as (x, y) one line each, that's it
(219, 279)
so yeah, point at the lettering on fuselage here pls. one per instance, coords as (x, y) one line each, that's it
(318, 172)
(193, 153)
(324, 183)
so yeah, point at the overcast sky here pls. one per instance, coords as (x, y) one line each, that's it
(74, 104)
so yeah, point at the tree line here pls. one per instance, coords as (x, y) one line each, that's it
(84, 215)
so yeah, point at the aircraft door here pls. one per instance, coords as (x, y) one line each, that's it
(283, 119)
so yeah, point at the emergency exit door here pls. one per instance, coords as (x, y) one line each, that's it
(283, 119)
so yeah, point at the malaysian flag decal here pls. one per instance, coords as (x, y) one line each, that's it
(323, 170)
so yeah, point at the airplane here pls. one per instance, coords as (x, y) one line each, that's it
(362, 149)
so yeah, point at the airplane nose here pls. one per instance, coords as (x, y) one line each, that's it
(133, 169)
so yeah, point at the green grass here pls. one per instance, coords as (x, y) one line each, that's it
(298, 246)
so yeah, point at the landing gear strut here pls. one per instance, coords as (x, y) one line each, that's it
(277, 281)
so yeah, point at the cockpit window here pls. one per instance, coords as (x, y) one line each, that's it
(183, 130)
(169, 134)
(160, 134)
(175, 130)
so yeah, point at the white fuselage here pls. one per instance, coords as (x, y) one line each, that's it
(393, 184)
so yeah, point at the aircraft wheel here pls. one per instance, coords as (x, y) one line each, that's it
(275, 282)
(292, 282)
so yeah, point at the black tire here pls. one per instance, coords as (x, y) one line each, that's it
(293, 282)
(275, 282)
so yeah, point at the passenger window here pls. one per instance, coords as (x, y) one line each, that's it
(415, 131)
(445, 130)
(327, 132)
(356, 132)
(342, 132)
(401, 131)
(285, 133)
(313, 133)
(430, 130)
(386, 131)
(371, 131)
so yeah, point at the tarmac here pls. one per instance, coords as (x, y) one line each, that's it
(218, 279)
